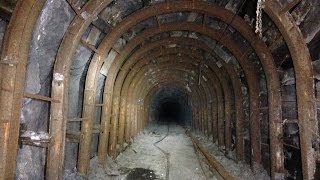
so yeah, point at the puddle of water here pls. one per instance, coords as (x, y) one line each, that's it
(141, 174)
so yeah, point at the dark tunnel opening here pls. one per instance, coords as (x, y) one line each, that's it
(170, 105)
(170, 111)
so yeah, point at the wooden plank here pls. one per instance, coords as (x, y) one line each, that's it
(4, 127)
(15, 49)
(73, 136)
(90, 46)
(39, 97)
(76, 119)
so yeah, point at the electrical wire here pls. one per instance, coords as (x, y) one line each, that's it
(167, 155)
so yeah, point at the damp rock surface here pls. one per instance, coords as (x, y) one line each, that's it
(3, 27)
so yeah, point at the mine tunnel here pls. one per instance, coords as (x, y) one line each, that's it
(159, 89)
(170, 105)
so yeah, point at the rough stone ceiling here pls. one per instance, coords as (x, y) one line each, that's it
(304, 14)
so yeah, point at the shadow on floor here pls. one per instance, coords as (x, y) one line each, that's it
(141, 174)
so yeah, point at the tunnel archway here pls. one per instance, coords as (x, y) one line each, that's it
(120, 105)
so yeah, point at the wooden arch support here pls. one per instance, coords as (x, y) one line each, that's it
(170, 51)
(305, 89)
(200, 45)
(224, 15)
(202, 105)
(185, 41)
(148, 91)
(149, 46)
(199, 91)
(214, 35)
(13, 72)
(133, 80)
(217, 76)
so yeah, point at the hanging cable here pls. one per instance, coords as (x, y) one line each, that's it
(167, 155)
(260, 6)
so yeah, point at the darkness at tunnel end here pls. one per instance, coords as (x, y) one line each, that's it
(170, 105)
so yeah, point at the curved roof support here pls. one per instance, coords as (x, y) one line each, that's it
(177, 70)
(109, 87)
(119, 82)
(175, 75)
(123, 99)
(305, 89)
(214, 35)
(222, 14)
(239, 113)
(195, 43)
(146, 95)
(60, 87)
(141, 74)
(264, 55)
(221, 74)
(218, 78)
(13, 74)
(137, 78)
(144, 61)
(202, 110)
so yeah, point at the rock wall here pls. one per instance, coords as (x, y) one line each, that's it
(47, 35)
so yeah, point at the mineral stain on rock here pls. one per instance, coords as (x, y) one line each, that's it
(141, 174)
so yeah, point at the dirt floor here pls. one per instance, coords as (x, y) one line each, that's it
(165, 152)
(159, 152)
